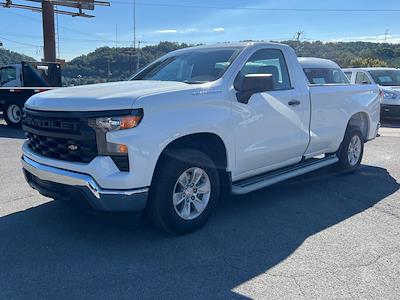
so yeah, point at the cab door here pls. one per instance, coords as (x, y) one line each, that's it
(271, 131)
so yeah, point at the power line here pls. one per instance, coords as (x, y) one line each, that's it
(19, 43)
(61, 26)
(258, 8)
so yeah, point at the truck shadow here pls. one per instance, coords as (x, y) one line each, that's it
(6, 132)
(54, 251)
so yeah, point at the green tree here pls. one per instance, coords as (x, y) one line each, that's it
(367, 62)
(8, 57)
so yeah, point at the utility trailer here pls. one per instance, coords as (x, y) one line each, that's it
(18, 82)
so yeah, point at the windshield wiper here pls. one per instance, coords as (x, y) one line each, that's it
(194, 81)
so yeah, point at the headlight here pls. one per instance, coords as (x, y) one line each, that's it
(389, 95)
(119, 123)
(102, 125)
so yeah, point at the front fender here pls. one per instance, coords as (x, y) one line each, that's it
(162, 124)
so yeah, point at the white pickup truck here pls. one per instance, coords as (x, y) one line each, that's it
(189, 125)
(388, 79)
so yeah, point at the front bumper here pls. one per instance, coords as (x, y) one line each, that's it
(390, 111)
(65, 185)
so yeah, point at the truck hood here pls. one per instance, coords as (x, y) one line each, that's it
(100, 97)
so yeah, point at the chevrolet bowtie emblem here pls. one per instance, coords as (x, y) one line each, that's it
(72, 147)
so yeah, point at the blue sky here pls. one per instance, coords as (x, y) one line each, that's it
(161, 20)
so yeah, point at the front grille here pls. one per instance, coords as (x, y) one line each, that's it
(60, 135)
(61, 148)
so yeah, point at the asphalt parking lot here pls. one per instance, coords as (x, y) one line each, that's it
(322, 236)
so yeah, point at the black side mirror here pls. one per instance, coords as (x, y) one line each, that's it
(365, 82)
(252, 84)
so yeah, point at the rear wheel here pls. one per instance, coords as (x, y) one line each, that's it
(13, 115)
(184, 192)
(352, 150)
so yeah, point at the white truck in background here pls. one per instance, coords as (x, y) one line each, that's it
(388, 79)
(194, 122)
(18, 82)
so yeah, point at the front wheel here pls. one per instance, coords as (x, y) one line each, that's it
(184, 192)
(352, 150)
(13, 115)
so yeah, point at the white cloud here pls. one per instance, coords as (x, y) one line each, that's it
(176, 31)
(166, 31)
(219, 29)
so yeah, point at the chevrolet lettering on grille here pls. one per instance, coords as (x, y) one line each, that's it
(50, 124)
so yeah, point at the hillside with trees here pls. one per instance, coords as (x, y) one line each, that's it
(113, 64)
(351, 54)
(109, 64)
(9, 57)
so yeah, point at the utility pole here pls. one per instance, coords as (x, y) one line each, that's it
(134, 24)
(132, 53)
(75, 8)
(298, 35)
(386, 34)
(49, 35)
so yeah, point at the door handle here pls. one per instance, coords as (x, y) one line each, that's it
(294, 102)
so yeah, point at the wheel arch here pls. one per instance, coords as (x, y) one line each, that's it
(361, 121)
(208, 143)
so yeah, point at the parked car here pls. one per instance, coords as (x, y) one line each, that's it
(187, 126)
(18, 82)
(322, 71)
(388, 80)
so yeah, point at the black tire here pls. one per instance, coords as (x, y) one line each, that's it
(160, 207)
(345, 164)
(11, 121)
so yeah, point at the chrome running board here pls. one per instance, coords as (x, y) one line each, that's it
(261, 181)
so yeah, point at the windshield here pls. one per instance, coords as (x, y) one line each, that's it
(386, 77)
(325, 76)
(196, 66)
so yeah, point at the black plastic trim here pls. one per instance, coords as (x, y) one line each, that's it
(79, 114)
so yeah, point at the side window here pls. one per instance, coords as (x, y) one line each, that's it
(8, 74)
(362, 78)
(268, 61)
(325, 76)
(348, 75)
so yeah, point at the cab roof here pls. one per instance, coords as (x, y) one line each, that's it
(243, 45)
(317, 63)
